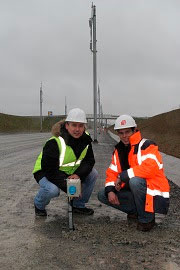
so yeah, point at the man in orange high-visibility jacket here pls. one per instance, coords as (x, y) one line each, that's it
(135, 182)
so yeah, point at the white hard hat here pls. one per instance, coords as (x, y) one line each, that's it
(124, 121)
(76, 115)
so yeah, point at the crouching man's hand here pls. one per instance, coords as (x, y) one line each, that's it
(73, 176)
(112, 197)
(119, 184)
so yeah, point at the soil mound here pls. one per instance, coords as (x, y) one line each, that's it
(164, 129)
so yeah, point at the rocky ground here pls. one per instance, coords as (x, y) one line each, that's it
(102, 241)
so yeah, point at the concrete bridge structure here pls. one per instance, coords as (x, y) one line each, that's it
(102, 120)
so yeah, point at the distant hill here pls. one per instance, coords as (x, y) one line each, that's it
(12, 123)
(164, 129)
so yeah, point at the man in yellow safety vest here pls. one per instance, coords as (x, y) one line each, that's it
(69, 155)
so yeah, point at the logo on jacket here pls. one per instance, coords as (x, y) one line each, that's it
(123, 122)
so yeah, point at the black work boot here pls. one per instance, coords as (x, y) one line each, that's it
(132, 219)
(40, 213)
(145, 227)
(83, 211)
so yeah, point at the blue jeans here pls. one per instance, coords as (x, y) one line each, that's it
(48, 191)
(131, 201)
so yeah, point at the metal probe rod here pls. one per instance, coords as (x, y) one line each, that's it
(70, 213)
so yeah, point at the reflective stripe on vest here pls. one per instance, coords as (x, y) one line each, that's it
(63, 152)
(114, 166)
(155, 192)
(141, 158)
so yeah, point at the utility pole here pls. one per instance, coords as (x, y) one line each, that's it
(92, 25)
(99, 108)
(65, 107)
(41, 101)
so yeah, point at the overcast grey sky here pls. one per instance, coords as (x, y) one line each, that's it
(138, 65)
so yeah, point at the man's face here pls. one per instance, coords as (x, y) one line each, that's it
(75, 129)
(124, 134)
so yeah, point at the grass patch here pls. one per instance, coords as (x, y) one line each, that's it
(12, 123)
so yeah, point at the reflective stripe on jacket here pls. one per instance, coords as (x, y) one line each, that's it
(145, 161)
(67, 159)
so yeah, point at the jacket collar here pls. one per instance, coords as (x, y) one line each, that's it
(135, 138)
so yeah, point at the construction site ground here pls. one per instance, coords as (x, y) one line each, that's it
(101, 241)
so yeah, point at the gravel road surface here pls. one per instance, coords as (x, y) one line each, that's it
(102, 241)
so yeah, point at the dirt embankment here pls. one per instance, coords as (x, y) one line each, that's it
(164, 129)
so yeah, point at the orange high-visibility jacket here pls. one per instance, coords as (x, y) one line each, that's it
(145, 161)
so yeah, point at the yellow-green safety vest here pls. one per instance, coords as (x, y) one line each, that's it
(68, 162)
